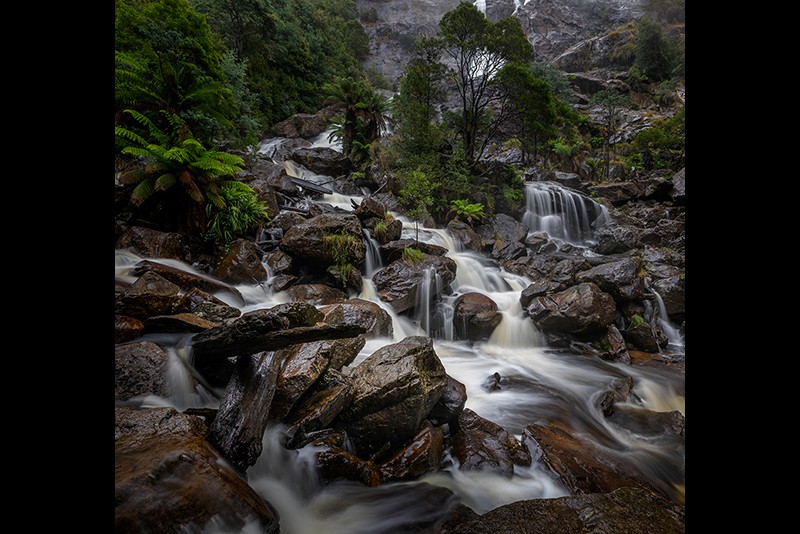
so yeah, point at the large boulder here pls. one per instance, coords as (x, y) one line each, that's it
(399, 282)
(623, 510)
(623, 279)
(140, 368)
(153, 243)
(242, 264)
(150, 295)
(376, 320)
(581, 310)
(323, 161)
(302, 125)
(475, 316)
(421, 455)
(168, 478)
(483, 445)
(672, 293)
(394, 390)
(465, 235)
(327, 239)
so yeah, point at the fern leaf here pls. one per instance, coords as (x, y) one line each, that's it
(136, 151)
(131, 177)
(142, 192)
(165, 181)
(129, 136)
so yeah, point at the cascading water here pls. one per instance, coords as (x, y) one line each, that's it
(538, 386)
(561, 213)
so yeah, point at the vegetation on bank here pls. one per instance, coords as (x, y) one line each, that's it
(197, 80)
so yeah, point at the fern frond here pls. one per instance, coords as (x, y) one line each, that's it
(165, 181)
(137, 151)
(132, 177)
(142, 192)
(177, 154)
(129, 136)
(190, 186)
(217, 200)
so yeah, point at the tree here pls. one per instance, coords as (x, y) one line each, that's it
(167, 58)
(611, 103)
(364, 112)
(478, 50)
(655, 55)
(415, 107)
(417, 195)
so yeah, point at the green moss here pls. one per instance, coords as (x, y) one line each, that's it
(412, 255)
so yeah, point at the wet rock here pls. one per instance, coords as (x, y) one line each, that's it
(394, 390)
(626, 509)
(581, 310)
(501, 230)
(465, 235)
(242, 264)
(327, 239)
(140, 369)
(510, 251)
(347, 278)
(475, 316)
(672, 292)
(450, 405)
(481, 444)
(617, 349)
(318, 406)
(126, 328)
(370, 207)
(302, 125)
(617, 193)
(184, 279)
(399, 282)
(421, 455)
(376, 321)
(540, 243)
(304, 363)
(646, 336)
(152, 243)
(169, 479)
(150, 295)
(286, 220)
(209, 307)
(623, 279)
(279, 262)
(580, 465)
(179, 322)
(393, 250)
(679, 186)
(316, 294)
(322, 160)
(619, 390)
(336, 463)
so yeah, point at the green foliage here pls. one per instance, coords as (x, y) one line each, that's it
(242, 213)
(565, 152)
(412, 255)
(175, 158)
(559, 83)
(364, 114)
(380, 231)
(662, 146)
(291, 48)
(341, 247)
(466, 211)
(655, 55)
(636, 320)
(167, 58)
(480, 49)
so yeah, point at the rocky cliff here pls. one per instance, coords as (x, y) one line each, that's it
(552, 26)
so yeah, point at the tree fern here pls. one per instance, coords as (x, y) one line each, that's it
(175, 157)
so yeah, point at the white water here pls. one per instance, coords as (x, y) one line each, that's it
(562, 213)
(540, 386)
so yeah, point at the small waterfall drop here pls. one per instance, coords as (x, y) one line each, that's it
(561, 213)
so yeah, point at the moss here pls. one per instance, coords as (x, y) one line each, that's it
(412, 255)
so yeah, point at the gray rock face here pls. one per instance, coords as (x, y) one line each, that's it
(311, 240)
(393, 390)
(140, 369)
(399, 282)
(623, 280)
(581, 309)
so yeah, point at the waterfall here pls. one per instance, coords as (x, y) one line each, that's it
(539, 385)
(561, 213)
(673, 333)
(372, 261)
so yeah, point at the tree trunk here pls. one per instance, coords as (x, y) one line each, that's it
(238, 428)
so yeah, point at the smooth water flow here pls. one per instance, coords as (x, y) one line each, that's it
(538, 386)
(561, 213)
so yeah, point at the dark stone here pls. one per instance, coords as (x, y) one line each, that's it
(242, 264)
(140, 369)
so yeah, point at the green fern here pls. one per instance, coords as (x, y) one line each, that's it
(242, 212)
(466, 210)
(175, 158)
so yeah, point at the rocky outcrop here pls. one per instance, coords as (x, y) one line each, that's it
(581, 310)
(399, 283)
(168, 478)
(140, 369)
(475, 316)
(150, 243)
(626, 509)
(325, 240)
(242, 264)
(483, 445)
(394, 390)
